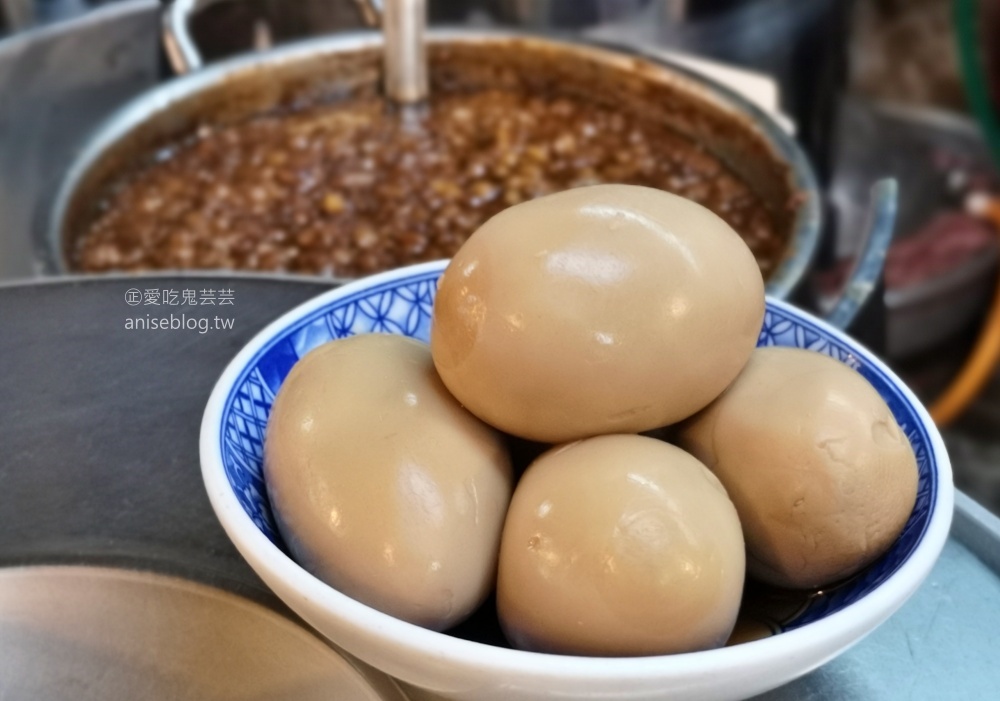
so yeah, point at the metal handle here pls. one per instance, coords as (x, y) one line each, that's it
(405, 56)
(183, 53)
(864, 277)
(371, 11)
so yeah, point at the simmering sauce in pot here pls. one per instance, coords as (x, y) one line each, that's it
(352, 188)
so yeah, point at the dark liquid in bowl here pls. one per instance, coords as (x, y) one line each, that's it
(352, 188)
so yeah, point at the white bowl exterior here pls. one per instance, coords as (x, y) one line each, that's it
(461, 669)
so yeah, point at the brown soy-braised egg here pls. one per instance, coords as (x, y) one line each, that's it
(821, 474)
(619, 545)
(382, 485)
(603, 309)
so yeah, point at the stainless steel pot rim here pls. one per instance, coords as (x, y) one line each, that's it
(802, 245)
(147, 276)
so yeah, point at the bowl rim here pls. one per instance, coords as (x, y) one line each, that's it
(843, 627)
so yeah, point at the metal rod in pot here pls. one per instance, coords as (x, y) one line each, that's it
(405, 59)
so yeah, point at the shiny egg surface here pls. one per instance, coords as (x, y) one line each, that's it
(821, 474)
(382, 485)
(619, 545)
(603, 309)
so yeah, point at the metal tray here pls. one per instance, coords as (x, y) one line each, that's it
(82, 633)
(99, 467)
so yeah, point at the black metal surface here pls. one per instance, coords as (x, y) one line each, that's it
(99, 425)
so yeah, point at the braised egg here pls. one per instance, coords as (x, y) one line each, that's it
(382, 485)
(821, 474)
(619, 545)
(603, 309)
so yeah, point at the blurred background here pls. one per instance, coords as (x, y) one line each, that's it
(875, 88)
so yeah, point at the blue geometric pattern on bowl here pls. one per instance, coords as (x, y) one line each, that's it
(404, 306)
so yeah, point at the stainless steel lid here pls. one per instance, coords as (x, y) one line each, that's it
(80, 633)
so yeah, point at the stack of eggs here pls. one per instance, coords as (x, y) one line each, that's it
(582, 321)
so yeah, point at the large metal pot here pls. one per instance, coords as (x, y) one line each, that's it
(749, 141)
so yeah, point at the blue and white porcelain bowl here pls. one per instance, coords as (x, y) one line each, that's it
(401, 302)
